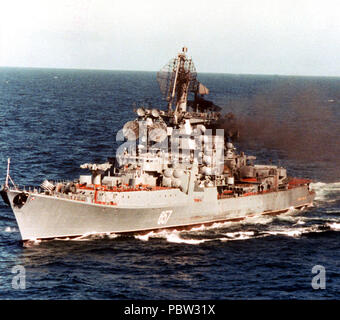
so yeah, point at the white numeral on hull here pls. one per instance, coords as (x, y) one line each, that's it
(164, 217)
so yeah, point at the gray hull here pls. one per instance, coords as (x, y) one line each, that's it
(43, 216)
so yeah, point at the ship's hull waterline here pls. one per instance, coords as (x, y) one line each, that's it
(46, 217)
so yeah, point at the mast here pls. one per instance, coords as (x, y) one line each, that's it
(7, 175)
(182, 81)
(177, 61)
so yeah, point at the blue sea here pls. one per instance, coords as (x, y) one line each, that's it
(54, 120)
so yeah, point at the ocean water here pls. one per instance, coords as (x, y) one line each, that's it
(51, 121)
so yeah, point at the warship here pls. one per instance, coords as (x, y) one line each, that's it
(176, 168)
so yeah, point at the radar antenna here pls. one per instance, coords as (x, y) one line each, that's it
(177, 78)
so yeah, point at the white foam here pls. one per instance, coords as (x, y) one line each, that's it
(85, 237)
(259, 219)
(295, 232)
(145, 237)
(323, 189)
(175, 238)
(334, 226)
(287, 218)
(333, 210)
(11, 229)
(215, 225)
(91, 236)
(240, 235)
(112, 235)
(300, 221)
(163, 234)
(290, 233)
(31, 242)
(199, 228)
(64, 239)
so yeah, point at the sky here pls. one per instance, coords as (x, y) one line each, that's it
(283, 37)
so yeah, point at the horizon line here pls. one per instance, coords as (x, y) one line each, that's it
(203, 72)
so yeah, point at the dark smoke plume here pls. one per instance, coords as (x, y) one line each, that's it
(300, 123)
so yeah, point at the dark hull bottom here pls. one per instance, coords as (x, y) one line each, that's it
(178, 228)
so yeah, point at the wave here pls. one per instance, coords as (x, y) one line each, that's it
(295, 232)
(31, 243)
(202, 235)
(11, 229)
(176, 238)
(326, 192)
(239, 235)
(92, 236)
(334, 226)
(288, 226)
